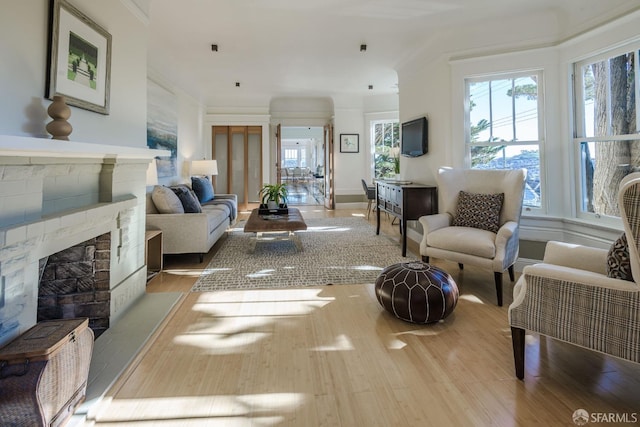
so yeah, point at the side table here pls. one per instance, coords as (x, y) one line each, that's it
(153, 252)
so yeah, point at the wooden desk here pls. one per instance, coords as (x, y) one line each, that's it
(407, 202)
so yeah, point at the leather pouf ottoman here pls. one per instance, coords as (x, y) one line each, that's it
(416, 292)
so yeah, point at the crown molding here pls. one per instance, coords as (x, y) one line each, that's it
(136, 10)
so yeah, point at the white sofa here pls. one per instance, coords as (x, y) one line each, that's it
(193, 232)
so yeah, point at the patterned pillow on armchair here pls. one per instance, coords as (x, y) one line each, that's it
(618, 262)
(479, 211)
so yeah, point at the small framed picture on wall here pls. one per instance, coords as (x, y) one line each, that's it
(349, 143)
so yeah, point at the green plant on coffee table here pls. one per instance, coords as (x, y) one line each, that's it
(274, 192)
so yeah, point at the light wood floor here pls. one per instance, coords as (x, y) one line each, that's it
(331, 356)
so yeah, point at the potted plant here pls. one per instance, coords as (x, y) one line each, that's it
(274, 195)
(395, 152)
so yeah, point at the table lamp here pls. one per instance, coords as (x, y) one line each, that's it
(203, 167)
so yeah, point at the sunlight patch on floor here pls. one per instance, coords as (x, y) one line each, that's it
(259, 308)
(261, 273)
(340, 343)
(213, 270)
(419, 332)
(184, 272)
(223, 343)
(367, 267)
(471, 298)
(264, 295)
(324, 228)
(227, 410)
(395, 344)
(230, 324)
(394, 341)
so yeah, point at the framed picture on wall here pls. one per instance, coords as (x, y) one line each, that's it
(349, 143)
(79, 59)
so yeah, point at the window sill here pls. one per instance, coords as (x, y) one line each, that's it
(570, 230)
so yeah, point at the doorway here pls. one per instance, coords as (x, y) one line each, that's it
(302, 160)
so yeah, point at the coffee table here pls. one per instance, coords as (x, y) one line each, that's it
(275, 227)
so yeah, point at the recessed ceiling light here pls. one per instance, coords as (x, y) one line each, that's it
(214, 47)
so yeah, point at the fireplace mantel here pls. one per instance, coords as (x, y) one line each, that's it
(23, 146)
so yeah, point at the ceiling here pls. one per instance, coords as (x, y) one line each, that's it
(311, 48)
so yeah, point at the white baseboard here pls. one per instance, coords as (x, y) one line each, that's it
(523, 262)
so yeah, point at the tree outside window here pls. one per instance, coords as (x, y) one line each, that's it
(386, 144)
(504, 118)
(607, 139)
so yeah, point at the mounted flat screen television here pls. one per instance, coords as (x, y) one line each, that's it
(414, 136)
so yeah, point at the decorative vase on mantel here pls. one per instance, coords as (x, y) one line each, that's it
(59, 111)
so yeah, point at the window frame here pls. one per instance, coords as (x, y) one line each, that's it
(372, 133)
(540, 142)
(579, 123)
(300, 157)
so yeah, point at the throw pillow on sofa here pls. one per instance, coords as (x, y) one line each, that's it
(203, 188)
(166, 200)
(188, 199)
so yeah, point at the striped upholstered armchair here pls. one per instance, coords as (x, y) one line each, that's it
(580, 295)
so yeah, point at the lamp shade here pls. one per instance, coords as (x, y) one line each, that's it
(152, 173)
(204, 167)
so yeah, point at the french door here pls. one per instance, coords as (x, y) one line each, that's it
(329, 196)
(238, 150)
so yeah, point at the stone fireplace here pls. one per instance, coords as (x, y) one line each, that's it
(56, 196)
(74, 282)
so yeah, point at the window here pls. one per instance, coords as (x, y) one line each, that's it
(504, 126)
(607, 142)
(294, 157)
(386, 148)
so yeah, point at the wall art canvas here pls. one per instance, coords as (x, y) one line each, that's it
(162, 127)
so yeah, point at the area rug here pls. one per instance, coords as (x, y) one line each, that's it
(336, 251)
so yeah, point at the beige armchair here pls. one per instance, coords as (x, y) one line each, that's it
(585, 296)
(479, 222)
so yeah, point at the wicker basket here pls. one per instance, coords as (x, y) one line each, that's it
(43, 373)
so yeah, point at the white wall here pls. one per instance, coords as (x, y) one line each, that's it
(432, 84)
(425, 82)
(349, 168)
(23, 50)
(427, 93)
